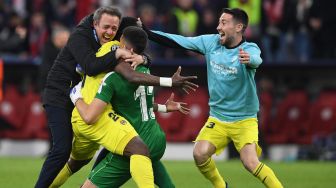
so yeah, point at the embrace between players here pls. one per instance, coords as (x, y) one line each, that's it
(115, 109)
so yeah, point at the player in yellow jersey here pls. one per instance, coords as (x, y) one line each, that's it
(111, 130)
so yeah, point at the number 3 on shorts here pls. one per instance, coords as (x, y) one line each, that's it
(210, 125)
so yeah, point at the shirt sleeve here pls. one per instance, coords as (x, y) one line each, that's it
(254, 51)
(106, 90)
(199, 44)
(81, 48)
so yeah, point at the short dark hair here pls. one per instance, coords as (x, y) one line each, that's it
(125, 22)
(137, 37)
(238, 15)
(110, 10)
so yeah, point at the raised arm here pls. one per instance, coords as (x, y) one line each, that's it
(146, 79)
(82, 50)
(198, 44)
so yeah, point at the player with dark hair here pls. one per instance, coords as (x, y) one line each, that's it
(231, 66)
(135, 103)
(93, 31)
(132, 101)
(107, 128)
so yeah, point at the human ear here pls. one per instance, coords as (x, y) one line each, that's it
(239, 27)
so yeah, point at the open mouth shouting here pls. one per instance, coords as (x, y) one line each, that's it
(107, 37)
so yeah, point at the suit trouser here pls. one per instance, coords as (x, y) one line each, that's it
(59, 123)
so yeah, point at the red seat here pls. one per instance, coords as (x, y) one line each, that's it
(35, 119)
(290, 116)
(169, 122)
(11, 108)
(266, 103)
(193, 122)
(34, 125)
(322, 118)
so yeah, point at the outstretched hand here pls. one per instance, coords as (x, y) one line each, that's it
(176, 106)
(184, 81)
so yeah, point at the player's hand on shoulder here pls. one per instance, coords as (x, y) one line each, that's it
(122, 53)
(244, 57)
(176, 106)
(75, 93)
(184, 81)
(136, 59)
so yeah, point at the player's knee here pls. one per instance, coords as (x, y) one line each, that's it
(249, 162)
(76, 165)
(136, 147)
(200, 155)
(202, 152)
(249, 157)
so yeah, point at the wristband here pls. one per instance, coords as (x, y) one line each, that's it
(166, 82)
(162, 108)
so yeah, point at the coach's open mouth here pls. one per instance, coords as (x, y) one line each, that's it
(107, 37)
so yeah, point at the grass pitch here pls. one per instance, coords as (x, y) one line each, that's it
(23, 172)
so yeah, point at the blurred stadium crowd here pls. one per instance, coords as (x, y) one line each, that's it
(286, 30)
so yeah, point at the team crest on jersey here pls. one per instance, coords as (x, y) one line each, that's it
(114, 47)
(123, 122)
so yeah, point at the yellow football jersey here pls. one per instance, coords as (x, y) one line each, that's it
(92, 83)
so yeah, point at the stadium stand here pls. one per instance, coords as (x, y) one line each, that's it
(291, 114)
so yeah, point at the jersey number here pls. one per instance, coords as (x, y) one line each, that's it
(210, 125)
(141, 93)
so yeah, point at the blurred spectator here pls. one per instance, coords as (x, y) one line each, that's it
(19, 6)
(295, 39)
(66, 11)
(162, 10)
(126, 6)
(59, 38)
(45, 8)
(162, 7)
(37, 5)
(13, 36)
(253, 9)
(208, 22)
(148, 16)
(271, 18)
(322, 20)
(38, 33)
(84, 7)
(185, 17)
(216, 5)
(183, 20)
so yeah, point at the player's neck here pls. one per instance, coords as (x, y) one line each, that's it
(238, 40)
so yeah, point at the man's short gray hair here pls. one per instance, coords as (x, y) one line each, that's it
(110, 10)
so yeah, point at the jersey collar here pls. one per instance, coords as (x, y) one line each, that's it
(241, 42)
